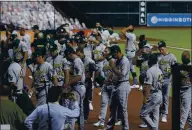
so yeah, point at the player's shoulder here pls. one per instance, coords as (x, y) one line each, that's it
(47, 64)
(13, 66)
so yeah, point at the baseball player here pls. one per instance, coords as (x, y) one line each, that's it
(68, 100)
(77, 80)
(39, 40)
(130, 50)
(113, 39)
(104, 32)
(83, 44)
(15, 80)
(27, 39)
(152, 94)
(90, 69)
(119, 97)
(107, 89)
(44, 76)
(141, 61)
(165, 61)
(185, 92)
(58, 63)
(20, 51)
(98, 50)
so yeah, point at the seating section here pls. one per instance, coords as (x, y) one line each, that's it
(29, 13)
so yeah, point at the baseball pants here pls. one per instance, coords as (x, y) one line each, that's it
(80, 94)
(152, 107)
(185, 95)
(105, 99)
(119, 98)
(165, 104)
(88, 98)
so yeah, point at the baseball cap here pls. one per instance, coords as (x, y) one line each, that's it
(69, 50)
(148, 46)
(38, 53)
(53, 47)
(161, 44)
(115, 48)
(35, 27)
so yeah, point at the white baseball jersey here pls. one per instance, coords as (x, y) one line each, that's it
(19, 51)
(131, 38)
(105, 35)
(78, 69)
(27, 39)
(88, 50)
(15, 75)
(98, 51)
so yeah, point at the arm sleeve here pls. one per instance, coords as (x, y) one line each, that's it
(24, 47)
(174, 60)
(128, 35)
(124, 68)
(12, 77)
(78, 68)
(72, 113)
(31, 118)
(66, 64)
(148, 79)
(51, 73)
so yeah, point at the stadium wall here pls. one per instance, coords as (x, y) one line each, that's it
(122, 13)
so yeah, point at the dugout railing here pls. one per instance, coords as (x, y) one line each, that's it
(176, 94)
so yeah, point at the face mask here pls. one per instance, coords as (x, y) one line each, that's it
(185, 60)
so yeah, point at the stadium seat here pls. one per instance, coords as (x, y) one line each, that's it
(31, 13)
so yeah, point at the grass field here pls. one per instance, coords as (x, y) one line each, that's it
(180, 38)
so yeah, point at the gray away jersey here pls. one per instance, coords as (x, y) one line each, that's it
(124, 67)
(18, 52)
(43, 75)
(165, 62)
(106, 68)
(87, 61)
(131, 38)
(88, 50)
(59, 65)
(154, 77)
(78, 69)
(144, 67)
(186, 78)
(15, 75)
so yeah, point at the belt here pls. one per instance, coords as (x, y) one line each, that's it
(40, 89)
(129, 50)
(119, 82)
(79, 83)
(155, 91)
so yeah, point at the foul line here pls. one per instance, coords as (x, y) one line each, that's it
(177, 48)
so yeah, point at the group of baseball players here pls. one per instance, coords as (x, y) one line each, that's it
(77, 64)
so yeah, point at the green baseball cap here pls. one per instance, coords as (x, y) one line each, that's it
(53, 47)
(161, 44)
(115, 48)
